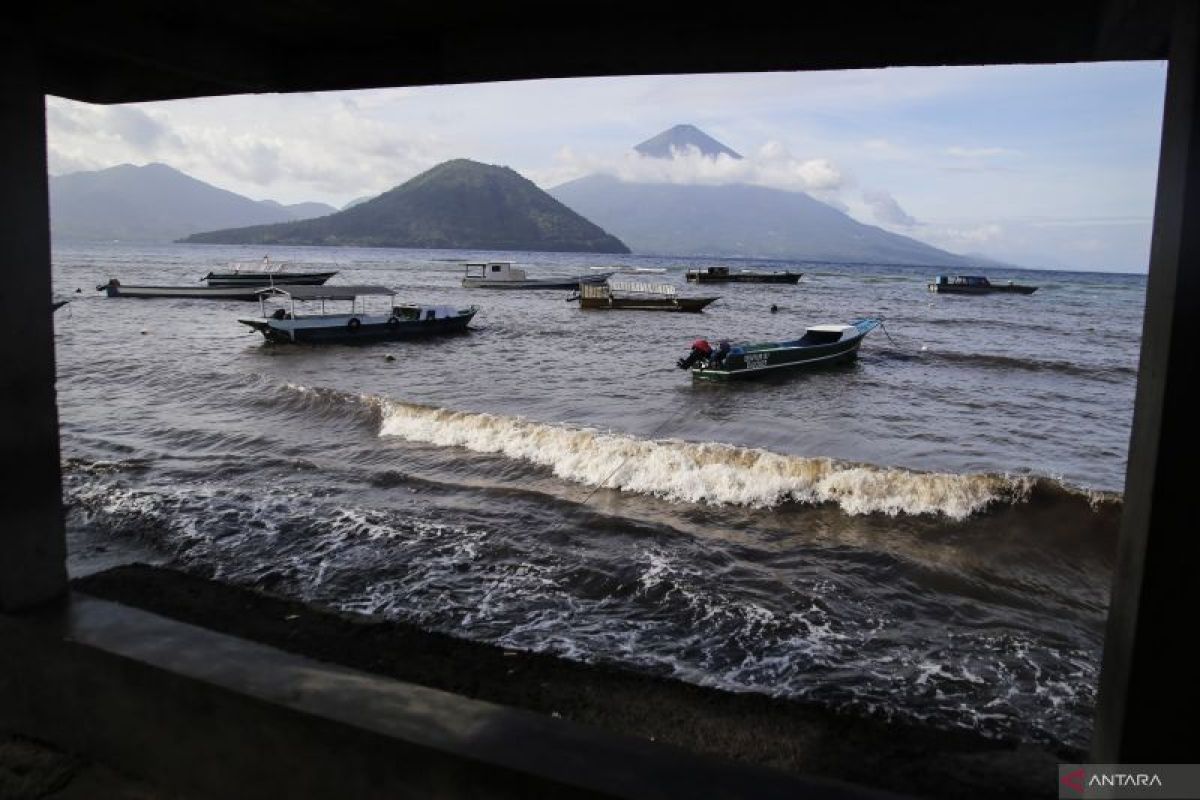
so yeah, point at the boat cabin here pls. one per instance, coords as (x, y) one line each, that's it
(963, 280)
(494, 271)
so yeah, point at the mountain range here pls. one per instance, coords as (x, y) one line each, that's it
(458, 204)
(467, 205)
(155, 203)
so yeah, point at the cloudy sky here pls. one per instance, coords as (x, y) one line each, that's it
(1042, 166)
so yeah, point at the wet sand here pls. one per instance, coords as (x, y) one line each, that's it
(746, 727)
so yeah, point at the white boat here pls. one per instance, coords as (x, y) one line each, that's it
(312, 323)
(503, 275)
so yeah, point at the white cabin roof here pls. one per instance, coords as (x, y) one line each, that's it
(831, 328)
(327, 292)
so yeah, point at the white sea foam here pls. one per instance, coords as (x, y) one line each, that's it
(711, 473)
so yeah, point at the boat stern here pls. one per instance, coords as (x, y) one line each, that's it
(260, 325)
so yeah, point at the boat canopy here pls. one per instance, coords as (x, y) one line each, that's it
(664, 289)
(326, 292)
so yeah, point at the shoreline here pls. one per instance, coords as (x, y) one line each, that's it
(788, 735)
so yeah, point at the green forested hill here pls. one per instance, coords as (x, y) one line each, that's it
(459, 204)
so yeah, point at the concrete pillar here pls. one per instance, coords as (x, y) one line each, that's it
(1149, 692)
(32, 546)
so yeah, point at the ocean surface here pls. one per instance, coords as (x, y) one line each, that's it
(925, 534)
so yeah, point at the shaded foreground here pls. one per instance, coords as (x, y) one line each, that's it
(746, 727)
(32, 770)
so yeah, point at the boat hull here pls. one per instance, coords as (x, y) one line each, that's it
(692, 305)
(259, 280)
(280, 331)
(777, 277)
(994, 289)
(244, 293)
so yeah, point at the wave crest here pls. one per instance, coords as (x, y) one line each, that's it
(709, 473)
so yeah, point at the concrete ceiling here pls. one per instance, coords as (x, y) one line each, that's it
(138, 50)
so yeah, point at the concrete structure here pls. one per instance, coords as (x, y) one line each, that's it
(128, 51)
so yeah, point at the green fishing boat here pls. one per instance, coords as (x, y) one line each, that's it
(820, 346)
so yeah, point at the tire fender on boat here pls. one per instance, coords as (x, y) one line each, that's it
(353, 323)
(393, 322)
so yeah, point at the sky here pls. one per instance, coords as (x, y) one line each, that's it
(1040, 166)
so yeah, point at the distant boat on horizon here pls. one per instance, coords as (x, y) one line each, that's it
(975, 284)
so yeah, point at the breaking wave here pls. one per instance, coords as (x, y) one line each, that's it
(711, 473)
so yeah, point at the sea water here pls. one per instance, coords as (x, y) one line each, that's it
(926, 534)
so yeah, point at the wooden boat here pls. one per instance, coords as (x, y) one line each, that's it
(360, 324)
(503, 275)
(723, 275)
(975, 284)
(820, 346)
(638, 297)
(258, 274)
(114, 288)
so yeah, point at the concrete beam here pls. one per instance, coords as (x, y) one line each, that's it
(1149, 694)
(32, 544)
(210, 715)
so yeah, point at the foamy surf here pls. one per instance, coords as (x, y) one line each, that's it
(706, 473)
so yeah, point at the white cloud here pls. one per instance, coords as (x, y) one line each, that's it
(342, 151)
(771, 165)
(886, 210)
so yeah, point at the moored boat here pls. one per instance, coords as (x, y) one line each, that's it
(114, 288)
(724, 275)
(258, 274)
(503, 275)
(820, 346)
(638, 297)
(361, 324)
(975, 284)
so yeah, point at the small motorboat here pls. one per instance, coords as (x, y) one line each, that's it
(360, 324)
(503, 275)
(820, 346)
(724, 275)
(975, 284)
(637, 297)
(257, 274)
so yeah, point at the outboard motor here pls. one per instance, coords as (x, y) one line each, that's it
(701, 350)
